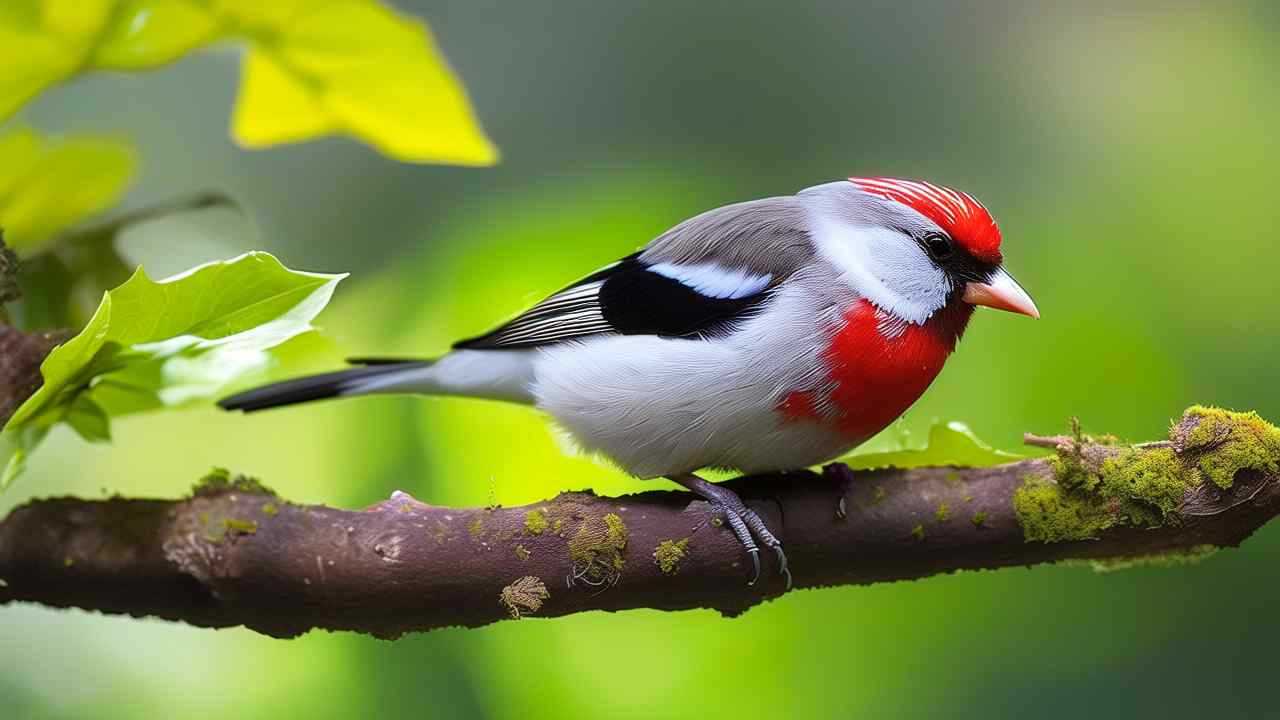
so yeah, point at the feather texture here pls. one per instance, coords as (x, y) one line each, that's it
(698, 278)
(634, 298)
(759, 238)
(714, 281)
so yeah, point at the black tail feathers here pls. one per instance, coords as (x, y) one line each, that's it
(314, 387)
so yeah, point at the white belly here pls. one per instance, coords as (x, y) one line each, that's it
(661, 406)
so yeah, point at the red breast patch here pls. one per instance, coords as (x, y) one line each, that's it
(875, 377)
(965, 219)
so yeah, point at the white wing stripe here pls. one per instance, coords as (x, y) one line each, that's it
(714, 281)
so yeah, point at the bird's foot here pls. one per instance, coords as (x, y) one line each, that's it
(745, 523)
(842, 475)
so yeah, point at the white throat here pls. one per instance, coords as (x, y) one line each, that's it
(882, 265)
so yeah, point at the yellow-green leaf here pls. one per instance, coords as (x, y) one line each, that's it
(263, 17)
(249, 303)
(47, 185)
(149, 33)
(312, 67)
(43, 42)
(77, 22)
(274, 108)
(15, 448)
(358, 68)
(950, 443)
(32, 58)
(88, 419)
(162, 344)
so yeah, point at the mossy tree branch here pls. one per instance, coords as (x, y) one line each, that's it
(234, 554)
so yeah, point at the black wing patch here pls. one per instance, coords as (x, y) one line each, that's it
(627, 298)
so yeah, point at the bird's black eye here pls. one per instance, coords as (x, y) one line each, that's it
(939, 246)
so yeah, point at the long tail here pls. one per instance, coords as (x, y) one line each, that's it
(356, 381)
(496, 375)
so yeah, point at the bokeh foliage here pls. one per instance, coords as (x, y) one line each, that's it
(311, 67)
(48, 185)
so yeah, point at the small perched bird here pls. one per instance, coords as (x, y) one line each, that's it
(763, 336)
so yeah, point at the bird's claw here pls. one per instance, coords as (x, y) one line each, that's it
(840, 474)
(746, 525)
(782, 564)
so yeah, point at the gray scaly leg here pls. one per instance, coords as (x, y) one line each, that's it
(744, 521)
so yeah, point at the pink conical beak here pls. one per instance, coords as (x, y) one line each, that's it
(1001, 293)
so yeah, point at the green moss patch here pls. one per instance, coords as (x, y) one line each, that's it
(1137, 487)
(1229, 442)
(239, 527)
(1142, 486)
(535, 522)
(1155, 478)
(216, 526)
(221, 480)
(525, 595)
(669, 553)
(597, 548)
(1050, 514)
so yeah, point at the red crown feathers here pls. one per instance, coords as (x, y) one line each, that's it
(959, 213)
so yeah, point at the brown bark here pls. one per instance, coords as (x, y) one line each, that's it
(239, 556)
(20, 353)
(20, 357)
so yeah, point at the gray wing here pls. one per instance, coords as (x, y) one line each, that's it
(698, 279)
(764, 237)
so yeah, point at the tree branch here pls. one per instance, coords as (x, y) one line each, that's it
(234, 554)
(20, 353)
(20, 357)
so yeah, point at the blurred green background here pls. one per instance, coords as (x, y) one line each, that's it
(1130, 153)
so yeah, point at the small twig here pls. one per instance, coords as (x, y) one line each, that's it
(1053, 442)
(110, 226)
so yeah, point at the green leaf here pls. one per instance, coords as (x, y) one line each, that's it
(950, 443)
(163, 344)
(312, 67)
(362, 69)
(15, 448)
(62, 288)
(44, 42)
(50, 184)
(89, 420)
(62, 285)
(145, 34)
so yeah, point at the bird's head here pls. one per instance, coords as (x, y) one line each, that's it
(913, 248)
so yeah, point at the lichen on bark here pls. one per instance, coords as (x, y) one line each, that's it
(1096, 487)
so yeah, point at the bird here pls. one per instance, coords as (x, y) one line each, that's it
(763, 336)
